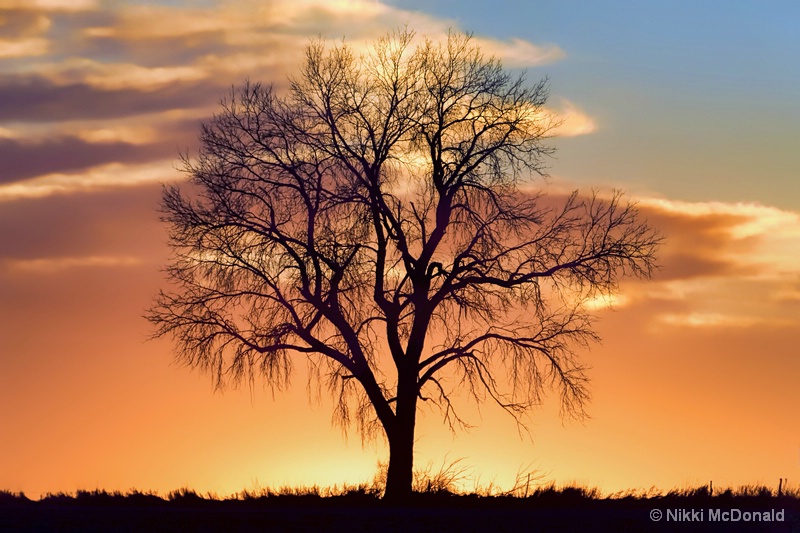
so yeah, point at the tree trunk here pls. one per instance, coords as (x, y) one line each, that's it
(401, 468)
(400, 474)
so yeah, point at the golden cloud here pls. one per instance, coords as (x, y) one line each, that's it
(725, 264)
(49, 5)
(57, 264)
(607, 301)
(118, 133)
(24, 48)
(698, 320)
(114, 76)
(6, 133)
(104, 176)
(756, 236)
(573, 121)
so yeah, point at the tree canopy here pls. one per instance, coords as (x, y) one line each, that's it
(381, 220)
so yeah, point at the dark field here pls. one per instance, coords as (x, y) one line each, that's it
(548, 509)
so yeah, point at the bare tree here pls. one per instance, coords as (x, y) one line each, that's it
(377, 220)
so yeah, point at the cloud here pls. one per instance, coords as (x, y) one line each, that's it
(171, 129)
(723, 265)
(763, 240)
(21, 48)
(52, 265)
(606, 301)
(115, 76)
(50, 5)
(573, 121)
(36, 99)
(19, 24)
(787, 292)
(706, 320)
(519, 53)
(22, 160)
(722, 320)
(101, 177)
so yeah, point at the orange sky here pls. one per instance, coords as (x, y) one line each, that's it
(695, 379)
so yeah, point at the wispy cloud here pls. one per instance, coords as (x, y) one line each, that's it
(115, 76)
(23, 48)
(97, 178)
(573, 120)
(699, 320)
(519, 53)
(60, 155)
(763, 238)
(49, 5)
(57, 264)
(724, 265)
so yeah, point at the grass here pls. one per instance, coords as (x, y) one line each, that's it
(437, 506)
(543, 495)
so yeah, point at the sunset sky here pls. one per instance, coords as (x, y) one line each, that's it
(692, 108)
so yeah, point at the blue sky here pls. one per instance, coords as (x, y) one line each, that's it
(694, 100)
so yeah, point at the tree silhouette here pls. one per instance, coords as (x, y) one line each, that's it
(377, 220)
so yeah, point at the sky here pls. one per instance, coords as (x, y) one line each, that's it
(689, 107)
